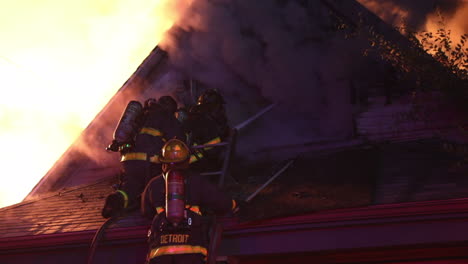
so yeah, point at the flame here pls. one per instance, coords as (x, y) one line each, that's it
(396, 16)
(458, 24)
(387, 11)
(60, 63)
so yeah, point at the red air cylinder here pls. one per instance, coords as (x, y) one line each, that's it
(126, 127)
(175, 200)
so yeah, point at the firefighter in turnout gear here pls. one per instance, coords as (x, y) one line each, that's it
(175, 202)
(140, 160)
(206, 124)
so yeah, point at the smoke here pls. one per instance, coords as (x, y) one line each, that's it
(261, 52)
(100, 133)
(87, 159)
(284, 52)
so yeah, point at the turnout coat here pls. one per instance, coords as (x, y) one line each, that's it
(201, 196)
(141, 163)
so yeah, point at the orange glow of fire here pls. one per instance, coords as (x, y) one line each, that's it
(458, 24)
(387, 11)
(60, 63)
(396, 16)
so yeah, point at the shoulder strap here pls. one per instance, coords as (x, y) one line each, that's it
(187, 181)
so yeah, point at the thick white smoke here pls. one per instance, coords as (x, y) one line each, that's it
(259, 52)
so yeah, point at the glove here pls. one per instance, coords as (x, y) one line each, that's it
(240, 205)
(114, 205)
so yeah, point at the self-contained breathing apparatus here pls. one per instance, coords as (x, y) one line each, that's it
(130, 123)
(177, 216)
(175, 199)
(127, 127)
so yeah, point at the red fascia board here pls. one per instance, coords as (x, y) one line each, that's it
(374, 213)
(370, 215)
(419, 254)
(382, 226)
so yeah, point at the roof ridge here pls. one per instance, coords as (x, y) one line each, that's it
(56, 193)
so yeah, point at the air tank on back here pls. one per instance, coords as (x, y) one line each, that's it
(127, 126)
(175, 196)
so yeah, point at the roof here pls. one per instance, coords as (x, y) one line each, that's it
(68, 210)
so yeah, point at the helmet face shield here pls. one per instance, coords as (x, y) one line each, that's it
(174, 151)
(181, 115)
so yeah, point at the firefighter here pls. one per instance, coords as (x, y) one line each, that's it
(175, 201)
(140, 162)
(206, 123)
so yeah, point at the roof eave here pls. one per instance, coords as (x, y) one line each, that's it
(438, 224)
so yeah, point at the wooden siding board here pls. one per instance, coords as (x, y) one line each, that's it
(400, 122)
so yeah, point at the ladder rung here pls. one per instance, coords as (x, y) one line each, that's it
(210, 145)
(211, 173)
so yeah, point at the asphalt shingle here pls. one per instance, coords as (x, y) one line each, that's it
(69, 210)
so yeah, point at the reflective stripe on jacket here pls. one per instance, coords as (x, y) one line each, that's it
(139, 156)
(193, 208)
(198, 155)
(125, 196)
(177, 249)
(152, 132)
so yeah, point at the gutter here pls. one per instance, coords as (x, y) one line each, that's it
(403, 225)
(439, 224)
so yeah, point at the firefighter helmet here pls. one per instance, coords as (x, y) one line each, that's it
(150, 102)
(168, 103)
(210, 97)
(174, 151)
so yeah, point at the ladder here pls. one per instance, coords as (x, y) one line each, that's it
(216, 228)
(229, 150)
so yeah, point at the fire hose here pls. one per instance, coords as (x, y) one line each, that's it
(98, 237)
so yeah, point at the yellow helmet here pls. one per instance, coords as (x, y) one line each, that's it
(174, 151)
